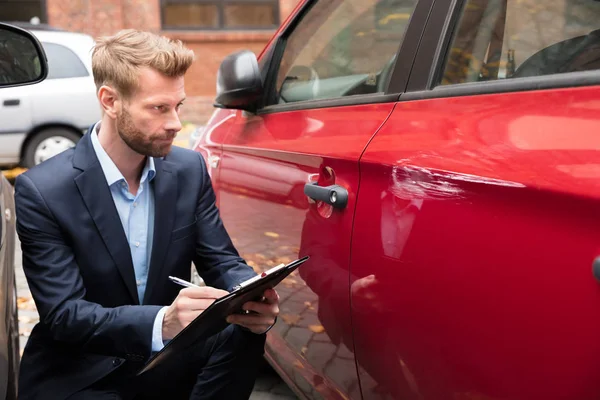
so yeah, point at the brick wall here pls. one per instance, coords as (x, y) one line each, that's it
(106, 17)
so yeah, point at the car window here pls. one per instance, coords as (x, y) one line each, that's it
(342, 48)
(63, 63)
(502, 39)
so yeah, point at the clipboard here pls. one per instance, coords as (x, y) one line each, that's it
(212, 320)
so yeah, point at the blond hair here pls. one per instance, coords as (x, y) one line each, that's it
(117, 59)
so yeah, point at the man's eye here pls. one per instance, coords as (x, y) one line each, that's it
(159, 108)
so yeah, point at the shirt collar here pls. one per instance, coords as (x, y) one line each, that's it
(111, 172)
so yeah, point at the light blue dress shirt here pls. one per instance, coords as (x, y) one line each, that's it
(137, 217)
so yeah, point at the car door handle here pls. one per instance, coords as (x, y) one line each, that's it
(334, 195)
(11, 103)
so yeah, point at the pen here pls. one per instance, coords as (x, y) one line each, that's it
(182, 282)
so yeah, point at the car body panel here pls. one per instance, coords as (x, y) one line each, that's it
(471, 242)
(10, 147)
(271, 221)
(8, 344)
(475, 234)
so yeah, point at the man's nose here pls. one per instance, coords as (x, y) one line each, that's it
(173, 123)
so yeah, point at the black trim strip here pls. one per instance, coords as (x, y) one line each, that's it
(567, 80)
(328, 103)
(408, 48)
(432, 50)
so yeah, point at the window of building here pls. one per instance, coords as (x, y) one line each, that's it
(220, 14)
(501, 39)
(22, 10)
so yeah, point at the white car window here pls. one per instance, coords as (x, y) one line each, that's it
(63, 63)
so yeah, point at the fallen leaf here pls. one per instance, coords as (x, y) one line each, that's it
(308, 304)
(316, 328)
(304, 350)
(272, 234)
(25, 303)
(291, 319)
(298, 364)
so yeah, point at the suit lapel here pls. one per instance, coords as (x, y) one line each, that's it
(165, 197)
(97, 197)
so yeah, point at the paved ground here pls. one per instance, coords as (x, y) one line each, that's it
(269, 386)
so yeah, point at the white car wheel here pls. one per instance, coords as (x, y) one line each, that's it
(50, 147)
(47, 144)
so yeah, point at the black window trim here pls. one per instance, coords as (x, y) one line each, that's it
(399, 77)
(431, 57)
(221, 15)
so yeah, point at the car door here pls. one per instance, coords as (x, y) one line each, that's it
(70, 80)
(16, 120)
(477, 219)
(326, 94)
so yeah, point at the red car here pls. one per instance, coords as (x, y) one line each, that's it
(448, 160)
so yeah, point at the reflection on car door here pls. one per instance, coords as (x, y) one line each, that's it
(338, 52)
(267, 160)
(477, 219)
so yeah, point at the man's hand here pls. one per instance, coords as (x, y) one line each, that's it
(264, 314)
(187, 306)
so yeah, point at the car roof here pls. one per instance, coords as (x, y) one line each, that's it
(81, 44)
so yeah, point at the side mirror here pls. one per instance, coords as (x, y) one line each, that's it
(22, 58)
(239, 84)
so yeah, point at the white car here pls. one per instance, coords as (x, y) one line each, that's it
(40, 121)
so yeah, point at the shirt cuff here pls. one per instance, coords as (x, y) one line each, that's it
(157, 340)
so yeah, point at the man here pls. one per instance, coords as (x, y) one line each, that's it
(103, 225)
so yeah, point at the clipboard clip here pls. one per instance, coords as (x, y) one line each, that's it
(258, 277)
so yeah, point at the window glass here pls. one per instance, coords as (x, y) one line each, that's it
(249, 15)
(191, 15)
(22, 10)
(63, 63)
(342, 48)
(501, 39)
(220, 14)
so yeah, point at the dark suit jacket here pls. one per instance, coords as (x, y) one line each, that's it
(79, 269)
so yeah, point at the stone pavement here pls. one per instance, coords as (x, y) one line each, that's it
(269, 385)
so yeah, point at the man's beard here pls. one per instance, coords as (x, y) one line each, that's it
(136, 140)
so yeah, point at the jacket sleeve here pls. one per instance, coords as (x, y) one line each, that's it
(216, 258)
(58, 291)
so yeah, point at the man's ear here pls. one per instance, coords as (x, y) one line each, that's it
(110, 101)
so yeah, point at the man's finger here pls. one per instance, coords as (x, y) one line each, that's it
(261, 308)
(271, 296)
